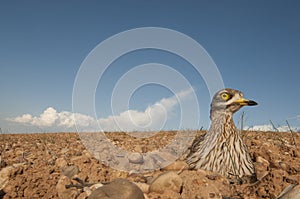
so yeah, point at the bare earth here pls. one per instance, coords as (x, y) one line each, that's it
(38, 162)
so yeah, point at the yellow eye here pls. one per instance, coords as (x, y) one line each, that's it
(225, 96)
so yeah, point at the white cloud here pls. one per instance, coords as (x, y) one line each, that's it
(269, 127)
(297, 118)
(152, 118)
(26, 118)
(47, 118)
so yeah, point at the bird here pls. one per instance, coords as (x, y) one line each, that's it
(221, 149)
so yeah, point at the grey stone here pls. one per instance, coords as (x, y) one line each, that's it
(136, 158)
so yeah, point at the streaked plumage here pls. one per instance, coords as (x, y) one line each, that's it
(222, 149)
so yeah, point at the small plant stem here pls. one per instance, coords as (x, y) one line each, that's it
(242, 124)
(274, 126)
(294, 142)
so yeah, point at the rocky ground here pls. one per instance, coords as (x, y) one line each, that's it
(59, 166)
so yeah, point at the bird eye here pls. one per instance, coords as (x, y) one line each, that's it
(225, 96)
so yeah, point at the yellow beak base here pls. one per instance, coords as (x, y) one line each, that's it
(245, 102)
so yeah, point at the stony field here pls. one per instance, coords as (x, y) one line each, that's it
(41, 165)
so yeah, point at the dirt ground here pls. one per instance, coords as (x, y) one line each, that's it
(38, 161)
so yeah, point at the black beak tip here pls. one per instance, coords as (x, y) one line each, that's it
(252, 103)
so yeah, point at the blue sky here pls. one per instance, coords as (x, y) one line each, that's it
(254, 44)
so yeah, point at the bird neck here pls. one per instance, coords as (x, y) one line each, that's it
(222, 125)
(221, 116)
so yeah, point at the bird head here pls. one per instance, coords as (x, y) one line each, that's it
(229, 101)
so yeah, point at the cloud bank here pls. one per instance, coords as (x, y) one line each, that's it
(269, 127)
(152, 118)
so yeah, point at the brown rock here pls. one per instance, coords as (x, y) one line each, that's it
(262, 161)
(143, 186)
(71, 171)
(80, 159)
(4, 176)
(19, 152)
(119, 188)
(9, 189)
(278, 176)
(6, 172)
(83, 195)
(176, 166)
(284, 166)
(64, 151)
(168, 180)
(61, 163)
(138, 149)
(62, 191)
(197, 185)
(87, 191)
(168, 194)
(96, 186)
(262, 167)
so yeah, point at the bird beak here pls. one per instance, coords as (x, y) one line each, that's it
(245, 102)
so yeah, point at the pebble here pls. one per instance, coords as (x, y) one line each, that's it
(263, 161)
(119, 188)
(61, 163)
(138, 148)
(64, 150)
(168, 180)
(283, 166)
(96, 186)
(70, 171)
(136, 158)
(87, 191)
(80, 159)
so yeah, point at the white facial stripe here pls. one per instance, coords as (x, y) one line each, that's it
(237, 96)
